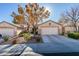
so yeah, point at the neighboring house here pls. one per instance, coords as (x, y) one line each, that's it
(8, 29)
(68, 27)
(46, 28)
(49, 28)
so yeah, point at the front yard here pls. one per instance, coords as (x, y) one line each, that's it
(31, 38)
(23, 37)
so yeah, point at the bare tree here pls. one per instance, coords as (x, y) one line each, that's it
(31, 15)
(63, 20)
(73, 16)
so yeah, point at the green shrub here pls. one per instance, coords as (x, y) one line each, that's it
(38, 39)
(74, 35)
(6, 38)
(62, 33)
(21, 33)
(27, 36)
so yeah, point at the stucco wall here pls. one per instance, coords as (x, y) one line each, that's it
(7, 27)
(50, 24)
(69, 29)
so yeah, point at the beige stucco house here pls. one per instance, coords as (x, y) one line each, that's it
(69, 28)
(49, 28)
(46, 28)
(8, 29)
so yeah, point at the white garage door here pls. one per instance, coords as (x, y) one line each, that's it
(7, 31)
(49, 31)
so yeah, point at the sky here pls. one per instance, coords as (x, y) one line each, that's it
(55, 8)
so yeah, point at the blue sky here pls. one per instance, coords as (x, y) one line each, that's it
(56, 9)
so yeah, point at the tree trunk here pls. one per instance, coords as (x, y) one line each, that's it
(34, 30)
(75, 26)
(63, 30)
(28, 27)
(76, 29)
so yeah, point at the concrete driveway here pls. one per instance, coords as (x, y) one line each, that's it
(62, 43)
(58, 39)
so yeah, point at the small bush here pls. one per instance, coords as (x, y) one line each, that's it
(26, 36)
(74, 35)
(21, 33)
(38, 39)
(62, 33)
(6, 38)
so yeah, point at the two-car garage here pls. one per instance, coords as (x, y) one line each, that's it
(49, 31)
(50, 28)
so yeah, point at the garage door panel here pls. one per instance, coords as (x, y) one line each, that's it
(6, 31)
(49, 31)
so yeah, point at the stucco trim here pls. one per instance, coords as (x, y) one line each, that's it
(48, 21)
(8, 23)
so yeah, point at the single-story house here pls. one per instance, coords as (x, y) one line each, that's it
(8, 29)
(68, 27)
(50, 28)
(46, 28)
